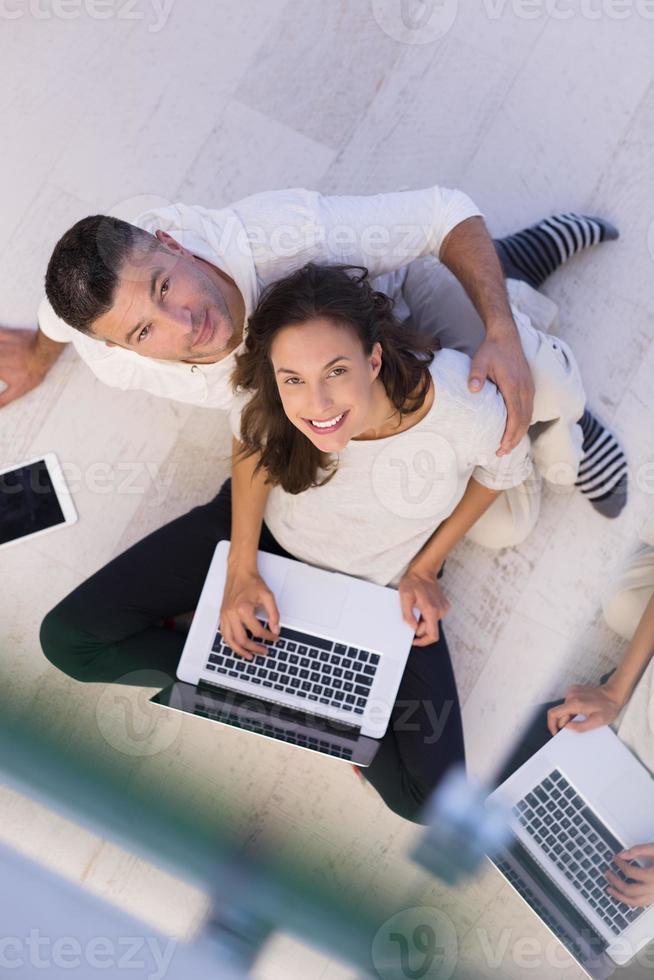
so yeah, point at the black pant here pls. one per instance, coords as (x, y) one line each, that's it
(109, 630)
(536, 735)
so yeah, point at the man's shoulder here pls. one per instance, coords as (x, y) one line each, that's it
(181, 215)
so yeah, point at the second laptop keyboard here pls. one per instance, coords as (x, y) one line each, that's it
(577, 841)
(321, 670)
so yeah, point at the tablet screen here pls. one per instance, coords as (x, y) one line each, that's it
(28, 502)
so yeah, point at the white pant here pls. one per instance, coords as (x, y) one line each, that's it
(436, 303)
(629, 594)
(624, 605)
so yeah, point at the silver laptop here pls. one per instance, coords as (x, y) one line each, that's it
(304, 729)
(577, 802)
(338, 661)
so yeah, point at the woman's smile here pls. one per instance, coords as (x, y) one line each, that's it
(328, 425)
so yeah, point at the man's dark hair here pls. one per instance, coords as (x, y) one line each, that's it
(85, 265)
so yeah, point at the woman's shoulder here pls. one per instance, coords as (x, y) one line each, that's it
(450, 363)
(451, 369)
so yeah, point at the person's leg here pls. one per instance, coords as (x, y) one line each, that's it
(424, 736)
(110, 626)
(535, 252)
(570, 446)
(626, 603)
(440, 306)
(510, 518)
(630, 593)
(559, 400)
(536, 735)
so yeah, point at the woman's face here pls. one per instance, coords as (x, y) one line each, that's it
(325, 380)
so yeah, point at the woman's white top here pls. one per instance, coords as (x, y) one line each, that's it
(635, 725)
(389, 495)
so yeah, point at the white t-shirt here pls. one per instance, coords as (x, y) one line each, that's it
(263, 238)
(389, 495)
(635, 724)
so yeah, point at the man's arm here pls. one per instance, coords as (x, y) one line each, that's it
(384, 232)
(468, 251)
(26, 356)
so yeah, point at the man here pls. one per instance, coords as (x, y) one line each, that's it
(161, 305)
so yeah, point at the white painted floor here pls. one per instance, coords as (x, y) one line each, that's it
(529, 113)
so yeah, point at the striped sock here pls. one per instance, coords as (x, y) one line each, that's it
(602, 476)
(534, 253)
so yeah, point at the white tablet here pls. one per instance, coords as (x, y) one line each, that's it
(34, 499)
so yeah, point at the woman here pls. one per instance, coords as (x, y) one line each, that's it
(364, 452)
(623, 699)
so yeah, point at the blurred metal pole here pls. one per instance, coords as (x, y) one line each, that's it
(464, 829)
(251, 899)
(52, 927)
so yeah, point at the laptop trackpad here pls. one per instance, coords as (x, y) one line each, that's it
(313, 596)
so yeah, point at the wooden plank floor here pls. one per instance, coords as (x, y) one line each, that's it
(529, 114)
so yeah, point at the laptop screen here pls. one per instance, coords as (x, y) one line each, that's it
(554, 909)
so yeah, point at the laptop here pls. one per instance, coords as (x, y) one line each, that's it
(578, 801)
(303, 729)
(327, 684)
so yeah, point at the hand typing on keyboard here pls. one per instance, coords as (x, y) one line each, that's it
(638, 890)
(244, 592)
(574, 838)
(309, 667)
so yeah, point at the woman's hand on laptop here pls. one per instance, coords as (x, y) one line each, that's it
(244, 592)
(420, 589)
(640, 893)
(601, 706)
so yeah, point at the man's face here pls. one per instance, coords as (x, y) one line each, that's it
(170, 305)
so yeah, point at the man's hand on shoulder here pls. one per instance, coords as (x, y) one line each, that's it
(26, 356)
(501, 359)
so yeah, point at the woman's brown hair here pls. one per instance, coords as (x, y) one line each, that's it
(344, 295)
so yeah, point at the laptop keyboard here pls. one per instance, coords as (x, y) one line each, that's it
(562, 823)
(275, 731)
(309, 666)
